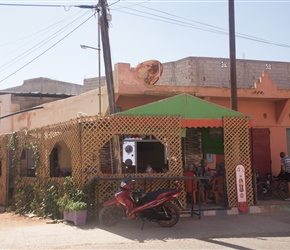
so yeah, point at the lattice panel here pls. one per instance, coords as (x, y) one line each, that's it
(85, 138)
(3, 179)
(237, 151)
(98, 131)
(68, 133)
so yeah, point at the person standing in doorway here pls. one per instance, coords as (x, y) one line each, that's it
(285, 162)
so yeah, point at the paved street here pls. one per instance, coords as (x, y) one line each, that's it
(246, 231)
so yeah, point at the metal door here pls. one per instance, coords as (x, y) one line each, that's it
(261, 158)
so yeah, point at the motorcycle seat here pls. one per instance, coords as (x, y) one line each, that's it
(153, 195)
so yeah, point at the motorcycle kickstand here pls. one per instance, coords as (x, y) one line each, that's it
(143, 223)
(164, 210)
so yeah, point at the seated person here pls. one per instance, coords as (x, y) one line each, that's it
(188, 183)
(219, 172)
(189, 171)
(149, 169)
(203, 169)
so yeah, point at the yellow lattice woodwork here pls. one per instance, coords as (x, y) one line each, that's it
(87, 138)
(3, 178)
(237, 151)
(96, 134)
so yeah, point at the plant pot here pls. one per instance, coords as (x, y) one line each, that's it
(78, 217)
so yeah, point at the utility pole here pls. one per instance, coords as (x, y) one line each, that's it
(103, 24)
(232, 41)
(99, 59)
(115, 142)
(107, 55)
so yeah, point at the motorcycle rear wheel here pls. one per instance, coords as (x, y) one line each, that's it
(111, 215)
(172, 211)
(283, 189)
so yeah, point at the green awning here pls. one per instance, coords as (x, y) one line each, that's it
(185, 105)
(195, 112)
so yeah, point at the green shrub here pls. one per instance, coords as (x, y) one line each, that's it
(73, 198)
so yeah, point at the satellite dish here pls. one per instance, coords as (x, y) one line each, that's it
(150, 71)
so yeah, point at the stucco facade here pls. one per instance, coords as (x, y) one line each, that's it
(266, 101)
(263, 93)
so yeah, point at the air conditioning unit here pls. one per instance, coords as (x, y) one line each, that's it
(129, 153)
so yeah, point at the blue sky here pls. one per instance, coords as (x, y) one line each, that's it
(45, 41)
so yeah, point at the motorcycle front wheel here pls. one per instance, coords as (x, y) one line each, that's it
(173, 214)
(111, 215)
(262, 191)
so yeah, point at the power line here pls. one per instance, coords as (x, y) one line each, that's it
(37, 46)
(208, 27)
(40, 31)
(47, 49)
(33, 5)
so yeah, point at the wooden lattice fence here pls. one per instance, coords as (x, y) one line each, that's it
(237, 151)
(87, 137)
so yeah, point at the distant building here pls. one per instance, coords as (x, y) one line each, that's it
(46, 85)
(33, 93)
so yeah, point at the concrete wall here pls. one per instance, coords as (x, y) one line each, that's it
(46, 85)
(210, 72)
(6, 107)
(93, 83)
(215, 72)
(61, 111)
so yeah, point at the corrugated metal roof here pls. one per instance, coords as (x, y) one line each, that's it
(40, 94)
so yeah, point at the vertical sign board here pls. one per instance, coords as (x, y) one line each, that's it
(241, 188)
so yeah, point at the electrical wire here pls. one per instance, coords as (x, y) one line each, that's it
(47, 49)
(239, 35)
(172, 19)
(37, 46)
(41, 33)
(208, 28)
(32, 5)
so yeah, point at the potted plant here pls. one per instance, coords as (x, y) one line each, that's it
(73, 203)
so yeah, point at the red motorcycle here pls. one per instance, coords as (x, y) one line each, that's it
(154, 206)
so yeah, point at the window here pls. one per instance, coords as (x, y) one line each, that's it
(60, 160)
(140, 150)
(27, 163)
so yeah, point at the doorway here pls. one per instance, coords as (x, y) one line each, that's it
(261, 158)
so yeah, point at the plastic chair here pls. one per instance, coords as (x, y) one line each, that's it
(192, 192)
(216, 189)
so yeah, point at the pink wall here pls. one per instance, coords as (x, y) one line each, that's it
(264, 102)
(257, 110)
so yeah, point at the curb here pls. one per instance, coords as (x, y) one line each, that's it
(235, 211)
